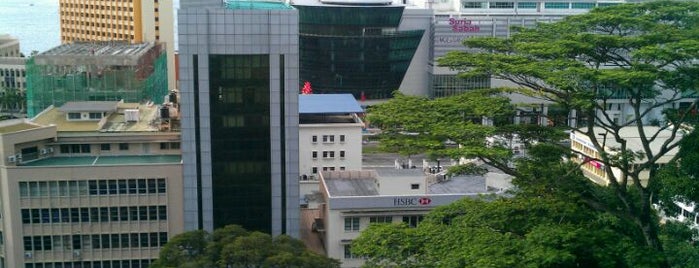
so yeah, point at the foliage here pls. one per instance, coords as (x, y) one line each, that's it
(233, 246)
(643, 55)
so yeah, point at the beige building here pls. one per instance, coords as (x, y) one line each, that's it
(587, 154)
(135, 21)
(12, 65)
(89, 184)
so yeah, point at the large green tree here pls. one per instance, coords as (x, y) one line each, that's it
(232, 246)
(642, 54)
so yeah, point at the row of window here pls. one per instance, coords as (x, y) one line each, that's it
(12, 84)
(327, 138)
(314, 170)
(13, 72)
(92, 264)
(94, 241)
(92, 187)
(352, 224)
(93, 214)
(533, 5)
(328, 154)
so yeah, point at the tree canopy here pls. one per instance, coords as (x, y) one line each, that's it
(232, 246)
(641, 55)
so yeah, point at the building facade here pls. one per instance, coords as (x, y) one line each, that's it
(89, 184)
(589, 156)
(352, 200)
(100, 71)
(330, 138)
(355, 47)
(12, 64)
(133, 21)
(239, 86)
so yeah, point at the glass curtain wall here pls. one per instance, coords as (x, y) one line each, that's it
(240, 140)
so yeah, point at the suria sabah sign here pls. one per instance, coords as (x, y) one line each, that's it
(411, 201)
(461, 26)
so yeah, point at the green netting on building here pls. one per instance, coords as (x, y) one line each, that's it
(57, 84)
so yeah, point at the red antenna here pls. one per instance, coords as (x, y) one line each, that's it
(362, 97)
(306, 88)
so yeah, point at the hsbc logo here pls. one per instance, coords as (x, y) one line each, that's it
(411, 201)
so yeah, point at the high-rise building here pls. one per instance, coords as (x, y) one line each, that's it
(239, 88)
(358, 47)
(100, 71)
(89, 184)
(134, 21)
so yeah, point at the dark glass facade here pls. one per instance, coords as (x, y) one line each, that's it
(240, 141)
(351, 49)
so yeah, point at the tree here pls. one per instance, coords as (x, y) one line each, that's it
(545, 224)
(233, 246)
(644, 54)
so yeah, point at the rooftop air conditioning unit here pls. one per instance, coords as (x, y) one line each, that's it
(11, 159)
(44, 151)
(28, 255)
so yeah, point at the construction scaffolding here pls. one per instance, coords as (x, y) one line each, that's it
(102, 71)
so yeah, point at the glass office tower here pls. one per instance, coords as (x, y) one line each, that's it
(354, 48)
(239, 90)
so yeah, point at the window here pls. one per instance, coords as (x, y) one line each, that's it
(325, 154)
(583, 5)
(351, 224)
(314, 154)
(95, 116)
(329, 138)
(332, 154)
(314, 138)
(123, 146)
(342, 154)
(342, 138)
(342, 168)
(526, 5)
(415, 186)
(381, 219)
(105, 147)
(314, 170)
(502, 4)
(556, 5)
(473, 4)
(73, 116)
(412, 221)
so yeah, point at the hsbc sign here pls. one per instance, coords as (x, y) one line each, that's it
(411, 201)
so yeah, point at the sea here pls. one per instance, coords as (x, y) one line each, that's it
(34, 22)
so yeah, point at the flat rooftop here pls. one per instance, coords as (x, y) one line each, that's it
(364, 183)
(328, 104)
(10, 126)
(105, 160)
(114, 122)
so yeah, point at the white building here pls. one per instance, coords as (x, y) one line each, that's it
(594, 169)
(330, 138)
(354, 199)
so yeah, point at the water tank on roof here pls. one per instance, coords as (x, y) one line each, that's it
(131, 115)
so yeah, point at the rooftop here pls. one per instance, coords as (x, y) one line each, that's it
(115, 120)
(104, 160)
(9, 126)
(326, 119)
(328, 104)
(102, 53)
(257, 5)
(365, 182)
